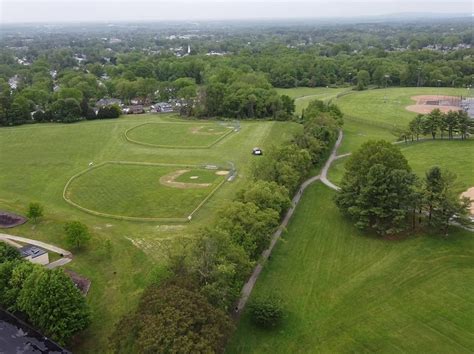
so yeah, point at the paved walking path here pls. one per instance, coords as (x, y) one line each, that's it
(46, 246)
(248, 286)
(60, 262)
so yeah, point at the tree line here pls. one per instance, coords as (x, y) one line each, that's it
(380, 192)
(191, 308)
(451, 123)
(63, 81)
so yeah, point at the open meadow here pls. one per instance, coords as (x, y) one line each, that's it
(304, 95)
(349, 291)
(179, 135)
(123, 255)
(345, 291)
(377, 114)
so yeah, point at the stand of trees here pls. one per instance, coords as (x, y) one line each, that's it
(48, 298)
(437, 122)
(242, 94)
(380, 192)
(55, 73)
(206, 278)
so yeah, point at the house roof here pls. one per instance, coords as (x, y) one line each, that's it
(108, 101)
(31, 251)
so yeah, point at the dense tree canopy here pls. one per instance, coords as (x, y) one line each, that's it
(48, 298)
(172, 319)
(150, 66)
(376, 189)
(379, 192)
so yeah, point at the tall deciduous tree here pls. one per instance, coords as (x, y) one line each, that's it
(35, 211)
(266, 195)
(248, 225)
(432, 123)
(377, 188)
(77, 234)
(172, 319)
(54, 304)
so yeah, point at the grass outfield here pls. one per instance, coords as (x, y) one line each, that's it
(348, 292)
(135, 191)
(454, 155)
(371, 104)
(304, 95)
(38, 160)
(367, 116)
(178, 135)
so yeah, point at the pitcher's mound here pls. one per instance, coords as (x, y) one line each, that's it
(470, 194)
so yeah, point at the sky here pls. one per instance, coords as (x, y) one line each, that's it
(60, 11)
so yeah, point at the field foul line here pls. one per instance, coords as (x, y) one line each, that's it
(130, 140)
(133, 218)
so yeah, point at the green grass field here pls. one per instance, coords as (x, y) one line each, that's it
(388, 105)
(304, 95)
(38, 160)
(455, 156)
(136, 191)
(345, 291)
(178, 135)
(373, 114)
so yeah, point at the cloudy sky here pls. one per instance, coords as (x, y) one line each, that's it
(48, 11)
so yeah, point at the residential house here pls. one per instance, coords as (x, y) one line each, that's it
(108, 102)
(135, 109)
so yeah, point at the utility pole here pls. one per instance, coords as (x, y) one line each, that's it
(386, 76)
(418, 83)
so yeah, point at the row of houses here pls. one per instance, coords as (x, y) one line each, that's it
(160, 107)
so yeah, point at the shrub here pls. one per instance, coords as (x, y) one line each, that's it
(8, 253)
(77, 234)
(266, 311)
(35, 211)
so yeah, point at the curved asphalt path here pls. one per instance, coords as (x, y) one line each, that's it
(249, 285)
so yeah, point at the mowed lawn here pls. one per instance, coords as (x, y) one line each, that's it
(456, 156)
(387, 106)
(135, 190)
(348, 292)
(304, 95)
(380, 113)
(38, 160)
(178, 134)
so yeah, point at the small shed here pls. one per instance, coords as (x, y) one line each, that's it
(34, 254)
